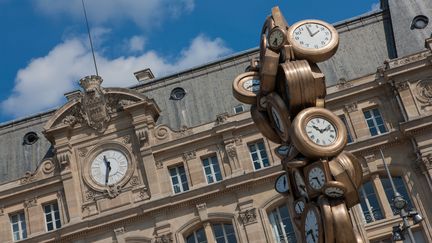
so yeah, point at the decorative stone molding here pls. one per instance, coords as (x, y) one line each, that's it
(93, 103)
(343, 83)
(142, 136)
(423, 91)
(134, 181)
(202, 211)
(248, 216)
(231, 150)
(82, 152)
(369, 158)
(189, 155)
(126, 139)
(143, 194)
(48, 167)
(402, 86)
(159, 164)
(161, 132)
(113, 191)
(89, 195)
(184, 131)
(63, 159)
(405, 60)
(427, 161)
(165, 238)
(28, 177)
(352, 107)
(28, 203)
(221, 118)
(119, 231)
(1, 210)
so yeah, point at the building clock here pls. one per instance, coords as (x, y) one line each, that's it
(109, 167)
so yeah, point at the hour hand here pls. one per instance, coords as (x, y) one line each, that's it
(310, 32)
(107, 169)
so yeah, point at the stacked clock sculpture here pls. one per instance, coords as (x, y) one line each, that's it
(286, 90)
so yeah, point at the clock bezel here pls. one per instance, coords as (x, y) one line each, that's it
(242, 94)
(263, 124)
(86, 169)
(323, 165)
(288, 181)
(284, 38)
(314, 55)
(309, 148)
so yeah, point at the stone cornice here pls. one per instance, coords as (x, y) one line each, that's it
(383, 141)
(19, 191)
(130, 215)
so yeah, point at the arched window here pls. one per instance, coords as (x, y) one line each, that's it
(222, 233)
(282, 228)
(369, 203)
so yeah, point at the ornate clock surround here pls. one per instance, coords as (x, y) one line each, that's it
(86, 168)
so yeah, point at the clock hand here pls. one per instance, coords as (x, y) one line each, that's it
(108, 169)
(316, 178)
(315, 33)
(310, 32)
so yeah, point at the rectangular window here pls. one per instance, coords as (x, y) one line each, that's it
(211, 169)
(179, 179)
(282, 228)
(349, 137)
(52, 216)
(375, 122)
(258, 155)
(18, 224)
(238, 109)
(369, 203)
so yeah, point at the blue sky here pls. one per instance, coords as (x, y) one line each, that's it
(44, 49)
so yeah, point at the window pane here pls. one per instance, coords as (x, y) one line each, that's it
(200, 234)
(282, 227)
(400, 187)
(50, 226)
(367, 114)
(217, 230)
(205, 162)
(369, 203)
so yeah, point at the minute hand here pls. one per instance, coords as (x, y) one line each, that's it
(315, 33)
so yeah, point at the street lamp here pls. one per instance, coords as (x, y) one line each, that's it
(400, 203)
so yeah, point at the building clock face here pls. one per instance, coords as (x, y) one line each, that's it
(109, 167)
(320, 131)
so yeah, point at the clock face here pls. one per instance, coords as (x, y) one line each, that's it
(109, 167)
(282, 184)
(276, 38)
(311, 227)
(252, 85)
(277, 119)
(299, 206)
(312, 35)
(301, 186)
(321, 131)
(334, 192)
(316, 178)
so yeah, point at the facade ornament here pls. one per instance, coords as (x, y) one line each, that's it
(221, 118)
(113, 191)
(126, 139)
(189, 155)
(343, 83)
(161, 132)
(28, 203)
(159, 164)
(82, 152)
(134, 181)
(351, 107)
(63, 159)
(406, 60)
(165, 238)
(423, 91)
(184, 131)
(402, 86)
(85, 209)
(231, 150)
(48, 167)
(248, 216)
(427, 161)
(202, 211)
(28, 177)
(93, 103)
(143, 194)
(70, 120)
(119, 231)
(142, 137)
(89, 195)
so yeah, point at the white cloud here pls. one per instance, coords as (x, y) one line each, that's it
(135, 44)
(375, 6)
(43, 82)
(145, 13)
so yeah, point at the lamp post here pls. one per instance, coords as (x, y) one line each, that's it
(400, 203)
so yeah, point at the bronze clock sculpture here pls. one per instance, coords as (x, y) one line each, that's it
(287, 92)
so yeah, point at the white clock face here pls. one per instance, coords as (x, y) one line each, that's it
(320, 131)
(282, 184)
(311, 227)
(109, 167)
(334, 192)
(299, 207)
(316, 178)
(276, 38)
(252, 85)
(312, 35)
(277, 120)
(301, 186)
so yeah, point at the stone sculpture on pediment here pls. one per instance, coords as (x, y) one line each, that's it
(423, 91)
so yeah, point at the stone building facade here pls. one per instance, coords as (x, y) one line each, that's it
(196, 166)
